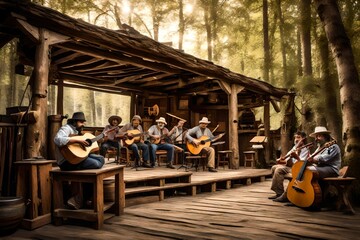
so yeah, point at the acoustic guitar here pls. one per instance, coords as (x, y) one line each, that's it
(136, 136)
(75, 153)
(205, 141)
(304, 190)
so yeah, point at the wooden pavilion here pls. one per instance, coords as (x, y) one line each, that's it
(69, 52)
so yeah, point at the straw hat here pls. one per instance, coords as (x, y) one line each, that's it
(161, 119)
(119, 119)
(136, 117)
(319, 130)
(78, 116)
(204, 120)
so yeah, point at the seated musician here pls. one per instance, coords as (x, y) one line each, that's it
(74, 126)
(284, 165)
(177, 136)
(195, 133)
(328, 162)
(158, 135)
(127, 132)
(111, 139)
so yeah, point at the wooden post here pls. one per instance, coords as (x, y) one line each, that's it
(232, 92)
(37, 132)
(267, 130)
(60, 97)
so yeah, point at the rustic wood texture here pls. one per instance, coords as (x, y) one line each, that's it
(239, 213)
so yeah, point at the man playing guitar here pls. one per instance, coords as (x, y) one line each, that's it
(158, 133)
(93, 161)
(111, 140)
(197, 132)
(136, 143)
(284, 165)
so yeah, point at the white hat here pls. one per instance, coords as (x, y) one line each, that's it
(161, 119)
(204, 120)
(136, 117)
(319, 130)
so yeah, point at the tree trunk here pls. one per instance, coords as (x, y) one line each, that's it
(349, 84)
(181, 24)
(305, 39)
(266, 42)
(282, 43)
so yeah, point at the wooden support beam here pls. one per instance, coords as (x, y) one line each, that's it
(233, 125)
(267, 130)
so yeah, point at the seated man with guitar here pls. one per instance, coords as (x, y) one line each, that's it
(73, 152)
(285, 163)
(133, 138)
(112, 139)
(159, 135)
(199, 139)
(304, 189)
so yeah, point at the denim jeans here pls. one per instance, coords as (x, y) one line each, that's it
(165, 146)
(93, 161)
(106, 145)
(145, 151)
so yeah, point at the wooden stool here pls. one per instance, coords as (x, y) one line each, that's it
(160, 154)
(224, 157)
(249, 159)
(196, 160)
(33, 183)
(113, 152)
(96, 177)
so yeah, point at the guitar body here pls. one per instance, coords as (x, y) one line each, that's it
(135, 138)
(204, 142)
(304, 192)
(76, 153)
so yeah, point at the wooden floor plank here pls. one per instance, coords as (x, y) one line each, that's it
(242, 212)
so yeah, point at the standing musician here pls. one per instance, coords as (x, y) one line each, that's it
(74, 126)
(158, 133)
(195, 133)
(111, 139)
(125, 132)
(284, 165)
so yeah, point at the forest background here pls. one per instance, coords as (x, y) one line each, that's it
(280, 42)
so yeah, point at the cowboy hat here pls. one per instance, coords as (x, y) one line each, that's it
(319, 130)
(114, 117)
(204, 120)
(78, 116)
(161, 119)
(136, 117)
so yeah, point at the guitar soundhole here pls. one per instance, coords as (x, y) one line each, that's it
(89, 141)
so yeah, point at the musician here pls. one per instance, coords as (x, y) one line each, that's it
(328, 162)
(74, 126)
(158, 136)
(284, 165)
(135, 125)
(177, 132)
(111, 139)
(195, 133)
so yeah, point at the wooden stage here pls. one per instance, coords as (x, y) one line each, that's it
(233, 209)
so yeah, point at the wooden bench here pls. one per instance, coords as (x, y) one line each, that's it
(96, 177)
(341, 183)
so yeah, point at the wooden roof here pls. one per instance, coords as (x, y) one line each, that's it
(116, 61)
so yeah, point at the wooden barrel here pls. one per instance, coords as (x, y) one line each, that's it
(12, 211)
(109, 190)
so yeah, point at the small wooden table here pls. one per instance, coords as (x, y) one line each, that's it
(95, 176)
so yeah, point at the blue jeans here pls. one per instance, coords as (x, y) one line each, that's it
(93, 161)
(145, 151)
(106, 145)
(165, 146)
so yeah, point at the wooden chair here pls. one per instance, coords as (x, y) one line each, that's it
(113, 152)
(159, 155)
